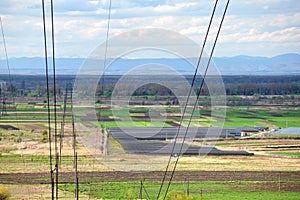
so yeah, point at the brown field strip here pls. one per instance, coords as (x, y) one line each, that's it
(67, 177)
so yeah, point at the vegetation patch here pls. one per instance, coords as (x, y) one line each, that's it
(8, 127)
(288, 154)
(4, 193)
(192, 190)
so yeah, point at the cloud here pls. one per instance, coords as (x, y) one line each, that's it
(81, 24)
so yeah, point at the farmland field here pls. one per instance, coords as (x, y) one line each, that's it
(272, 173)
(150, 100)
(212, 185)
(281, 116)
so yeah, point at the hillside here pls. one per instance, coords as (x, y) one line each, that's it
(285, 64)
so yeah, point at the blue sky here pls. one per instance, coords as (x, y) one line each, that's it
(256, 27)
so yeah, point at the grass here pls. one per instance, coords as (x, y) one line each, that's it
(288, 154)
(12, 163)
(37, 191)
(206, 190)
(128, 124)
(254, 195)
(251, 116)
(238, 163)
(28, 117)
(235, 117)
(31, 107)
(35, 156)
(17, 163)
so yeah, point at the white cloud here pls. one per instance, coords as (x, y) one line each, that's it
(80, 25)
(173, 8)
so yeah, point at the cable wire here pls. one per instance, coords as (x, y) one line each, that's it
(6, 55)
(62, 131)
(4, 111)
(107, 34)
(198, 95)
(74, 148)
(48, 99)
(189, 94)
(54, 99)
(105, 50)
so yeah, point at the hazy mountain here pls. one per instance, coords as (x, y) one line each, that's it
(36, 65)
(281, 64)
(287, 64)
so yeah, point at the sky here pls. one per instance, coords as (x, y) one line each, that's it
(254, 28)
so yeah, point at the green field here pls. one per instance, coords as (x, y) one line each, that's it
(253, 116)
(25, 150)
(197, 190)
(238, 116)
(235, 117)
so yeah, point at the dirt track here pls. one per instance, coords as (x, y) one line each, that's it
(44, 178)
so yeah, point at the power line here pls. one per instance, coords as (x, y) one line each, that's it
(106, 49)
(198, 95)
(4, 109)
(189, 94)
(6, 55)
(107, 34)
(74, 149)
(54, 98)
(63, 122)
(48, 100)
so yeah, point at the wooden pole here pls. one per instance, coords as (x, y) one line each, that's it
(76, 178)
(188, 188)
(141, 190)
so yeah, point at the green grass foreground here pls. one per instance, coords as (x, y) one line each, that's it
(197, 190)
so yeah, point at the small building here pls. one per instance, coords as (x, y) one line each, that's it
(240, 133)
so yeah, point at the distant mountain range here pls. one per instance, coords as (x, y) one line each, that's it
(285, 64)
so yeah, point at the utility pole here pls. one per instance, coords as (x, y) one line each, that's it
(141, 190)
(188, 188)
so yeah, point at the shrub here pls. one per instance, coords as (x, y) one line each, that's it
(177, 195)
(130, 193)
(4, 193)
(18, 139)
(44, 137)
(44, 133)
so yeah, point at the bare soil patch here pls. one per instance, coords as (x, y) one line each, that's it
(230, 176)
(253, 117)
(104, 118)
(38, 191)
(275, 114)
(34, 127)
(141, 117)
(172, 123)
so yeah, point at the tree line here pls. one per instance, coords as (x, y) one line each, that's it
(35, 86)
